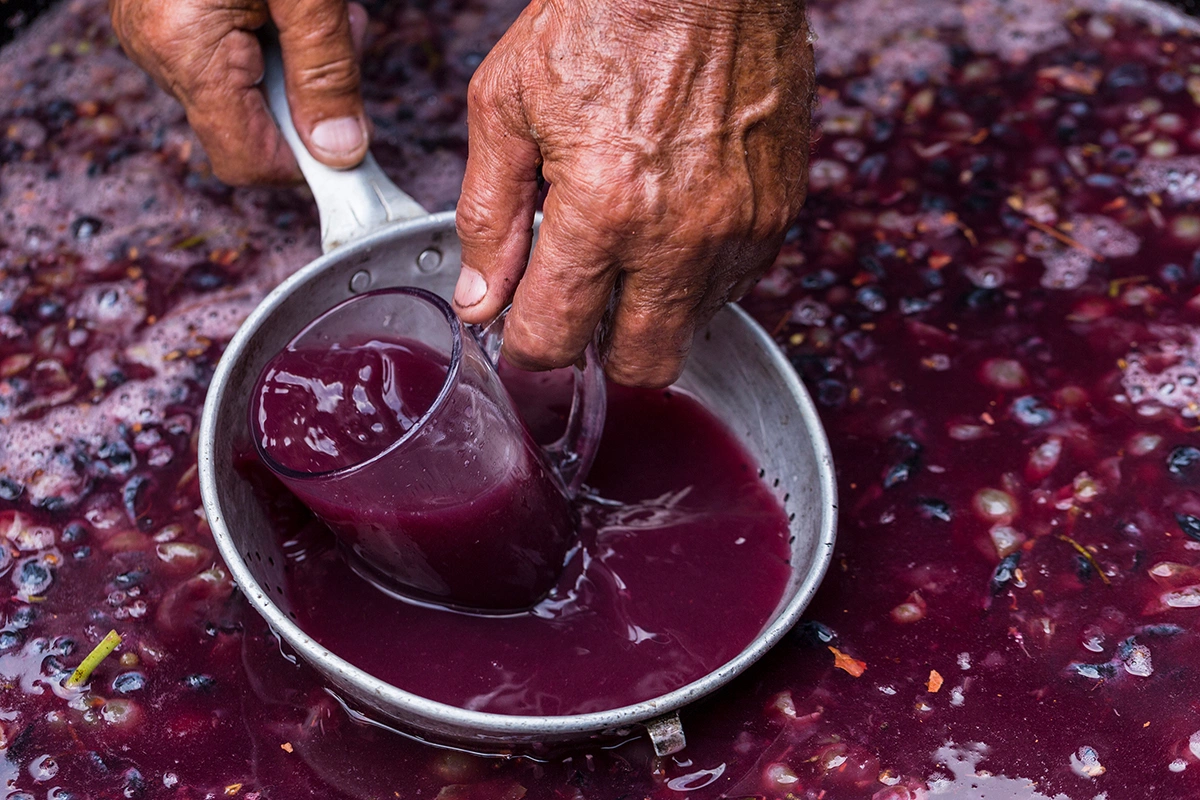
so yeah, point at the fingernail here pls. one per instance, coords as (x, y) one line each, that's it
(338, 137)
(471, 288)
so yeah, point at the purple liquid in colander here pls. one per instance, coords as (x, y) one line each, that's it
(676, 572)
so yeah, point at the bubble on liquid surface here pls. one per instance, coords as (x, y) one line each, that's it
(43, 768)
(1015, 30)
(969, 781)
(116, 308)
(1104, 235)
(850, 30)
(1167, 373)
(1068, 267)
(1176, 179)
(49, 456)
(32, 578)
(1137, 661)
(696, 780)
(810, 312)
(919, 61)
(1188, 597)
(1085, 762)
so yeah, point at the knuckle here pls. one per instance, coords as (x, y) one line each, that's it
(233, 162)
(118, 15)
(485, 87)
(653, 336)
(612, 210)
(537, 344)
(335, 77)
(149, 39)
(475, 224)
(781, 198)
(318, 42)
(618, 212)
(647, 375)
(728, 218)
(661, 305)
(771, 221)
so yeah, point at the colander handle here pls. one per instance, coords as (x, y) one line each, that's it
(666, 734)
(351, 202)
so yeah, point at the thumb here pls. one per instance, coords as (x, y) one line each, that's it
(499, 197)
(320, 48)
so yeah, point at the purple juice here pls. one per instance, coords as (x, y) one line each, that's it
(466, 512)
(321, 409)
(682, 560)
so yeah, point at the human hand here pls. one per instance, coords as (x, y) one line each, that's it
(206, 54)
(675, 138)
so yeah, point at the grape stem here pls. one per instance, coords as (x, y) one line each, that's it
(99, 653)
(1083, 551)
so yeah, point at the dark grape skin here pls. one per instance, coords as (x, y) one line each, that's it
(1183, 463)
(1189, 524)
(74, 533)
(129, 682)
(1004, 574)
(199, 683)
(85, 228)
(34, 577)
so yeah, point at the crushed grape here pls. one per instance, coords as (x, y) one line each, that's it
(999, 262)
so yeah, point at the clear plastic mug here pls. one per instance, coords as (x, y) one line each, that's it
(464, 509)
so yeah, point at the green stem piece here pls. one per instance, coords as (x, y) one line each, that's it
(99, 653)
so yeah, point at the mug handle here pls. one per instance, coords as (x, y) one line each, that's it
(572, 454)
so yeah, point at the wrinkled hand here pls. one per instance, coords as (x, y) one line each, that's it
(206, 54)
(675, 138)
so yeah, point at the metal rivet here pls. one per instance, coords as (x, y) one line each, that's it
(429, 260)
(361, 281)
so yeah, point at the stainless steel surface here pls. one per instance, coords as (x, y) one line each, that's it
(735, 369)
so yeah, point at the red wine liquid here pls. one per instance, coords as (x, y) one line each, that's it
(682, 559)
(321, 409)
(492, 538)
